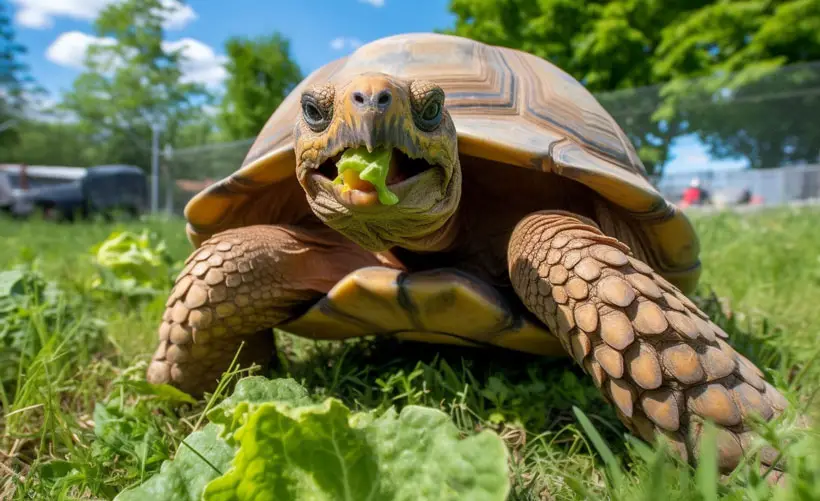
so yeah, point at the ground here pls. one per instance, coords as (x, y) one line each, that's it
(84, 340)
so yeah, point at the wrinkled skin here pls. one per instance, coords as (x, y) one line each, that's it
(664, 366)
(352, 116)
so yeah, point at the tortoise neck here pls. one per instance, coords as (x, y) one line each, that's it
(444, 239)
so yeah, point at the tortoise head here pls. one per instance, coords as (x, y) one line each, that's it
(405, 121)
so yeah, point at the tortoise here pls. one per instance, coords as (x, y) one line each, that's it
(525, 221)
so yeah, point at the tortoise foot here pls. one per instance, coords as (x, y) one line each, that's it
(234, 289)
(654, 355)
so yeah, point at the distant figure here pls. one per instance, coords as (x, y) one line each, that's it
(693, 195)
(24, 177)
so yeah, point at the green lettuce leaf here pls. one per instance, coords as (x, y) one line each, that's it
(372, 167)
(269, 441)
(322, 452)
(184, 478)
(249, 393)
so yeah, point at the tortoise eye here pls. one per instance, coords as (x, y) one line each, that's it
(312, 113)
(432, 111)
(428, 104)
(315, 116)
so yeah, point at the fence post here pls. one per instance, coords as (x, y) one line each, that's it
(168, 153)
(154, 167)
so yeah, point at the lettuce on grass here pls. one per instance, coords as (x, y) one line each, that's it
(322, 452)
(249, 394)
(288, 448)
(199, 460)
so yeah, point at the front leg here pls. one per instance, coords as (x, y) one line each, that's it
(654, 355)
(235, 288)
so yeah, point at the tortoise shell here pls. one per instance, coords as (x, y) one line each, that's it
(508, 106)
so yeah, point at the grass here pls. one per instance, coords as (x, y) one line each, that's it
(78, 424)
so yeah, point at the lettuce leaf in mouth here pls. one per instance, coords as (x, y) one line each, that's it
(372, 167)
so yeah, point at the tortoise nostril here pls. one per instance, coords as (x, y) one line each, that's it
(380, 100)
(384, 98)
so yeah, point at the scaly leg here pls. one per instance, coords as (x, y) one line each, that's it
(236, 287)
(659, 359)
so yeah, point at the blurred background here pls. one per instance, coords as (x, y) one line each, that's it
(721, 99)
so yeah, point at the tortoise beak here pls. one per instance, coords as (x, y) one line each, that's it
(369, 131)
(371, 107)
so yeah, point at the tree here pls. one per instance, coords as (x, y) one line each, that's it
(262, 73)
(746, 103)
(606, 45)
(14, 80)
(54, 143)
(612, 45)
(133, 80)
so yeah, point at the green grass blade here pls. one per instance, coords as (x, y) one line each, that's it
(706, 474)
(612, 465)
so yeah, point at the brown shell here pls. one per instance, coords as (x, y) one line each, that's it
(507, 105)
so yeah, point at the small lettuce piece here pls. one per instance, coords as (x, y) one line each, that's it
(322, 452)
(142, 256)
(132, 265)
(371, 167)
(184, 478)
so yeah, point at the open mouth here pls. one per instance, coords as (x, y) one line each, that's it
(351, 189)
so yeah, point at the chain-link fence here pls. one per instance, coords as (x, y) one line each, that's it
(762, 122)
(755, 131)
(188, 171)
(728, 187)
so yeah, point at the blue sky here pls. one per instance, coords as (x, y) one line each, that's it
(57, 32)
(319, 30)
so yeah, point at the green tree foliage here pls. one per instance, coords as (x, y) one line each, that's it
(623, 44)
(746, 104)
(133, 82)
(53, 143)
(14, 79)
(262, 73)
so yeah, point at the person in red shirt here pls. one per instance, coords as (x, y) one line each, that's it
(693, 195)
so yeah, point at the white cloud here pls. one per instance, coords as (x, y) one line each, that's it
(342, 43)
(200, 63)
(40, 14)
(33, 19)
(180, 15)
(70, 47)
(374, 3)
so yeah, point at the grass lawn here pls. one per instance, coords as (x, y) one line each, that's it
(78, 424)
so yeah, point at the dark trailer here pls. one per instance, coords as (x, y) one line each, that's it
(102, 189)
